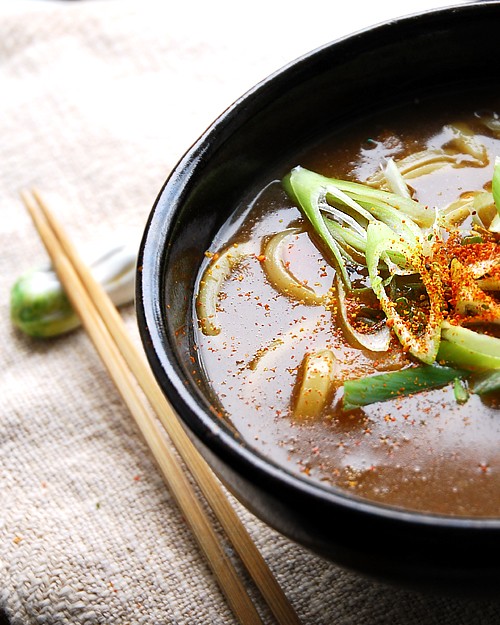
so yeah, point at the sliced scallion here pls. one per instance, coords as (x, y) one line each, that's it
(310, 195)
(461, 356)
(424, 346)
(460, 391)
(468, 339)
(485, 382)
(385, 386)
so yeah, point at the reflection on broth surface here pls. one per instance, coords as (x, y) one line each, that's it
(437, 450)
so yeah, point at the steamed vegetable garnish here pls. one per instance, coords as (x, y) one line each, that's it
(40, 308)
(393, 245)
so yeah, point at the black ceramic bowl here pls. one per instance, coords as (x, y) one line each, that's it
(397, 61)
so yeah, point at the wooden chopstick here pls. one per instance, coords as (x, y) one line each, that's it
(124, 362)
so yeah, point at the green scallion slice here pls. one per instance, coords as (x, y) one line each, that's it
(393, 384)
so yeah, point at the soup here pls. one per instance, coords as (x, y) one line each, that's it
(333, 328)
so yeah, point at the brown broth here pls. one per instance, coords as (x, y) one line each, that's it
(425, 452)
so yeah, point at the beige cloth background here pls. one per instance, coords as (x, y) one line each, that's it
(98, 100)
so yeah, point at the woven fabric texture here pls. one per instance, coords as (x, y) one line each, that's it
(99, 99)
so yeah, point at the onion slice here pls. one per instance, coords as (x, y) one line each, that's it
(211, 283)
(316, 384)
(377, 341)
(279, 275)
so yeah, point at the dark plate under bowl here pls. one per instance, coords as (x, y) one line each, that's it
(447, 49)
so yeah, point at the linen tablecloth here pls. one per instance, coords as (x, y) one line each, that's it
(98, 101)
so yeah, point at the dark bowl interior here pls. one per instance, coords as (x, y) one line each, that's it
(447, 49)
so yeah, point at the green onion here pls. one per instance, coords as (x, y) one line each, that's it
(309, 194)
(381, 239)
(460, 391)
(392, 235)
(468, 349)
(420, 214)
(461, 356)
(345, 236)
(393, 384)
(485, 382)
(354, 206)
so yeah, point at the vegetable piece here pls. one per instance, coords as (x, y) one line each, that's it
(484, 209)
(386, 386)
(471, 302)
(465, 141)
(346, 236)
(469, 339)
(375, 341)
(354, 205)
(460, 356)
(40, 308)
(309, 190)
(423, 345)
(495, 224)
(279, 275)
(422, 215)
(316, 384)
(395, 179)
(211, 283)
(485, 382)
(417, 164)
(459, 210)
(460, 391)
(468, 349)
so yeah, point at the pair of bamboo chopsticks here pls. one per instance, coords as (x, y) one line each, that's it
(128, 369)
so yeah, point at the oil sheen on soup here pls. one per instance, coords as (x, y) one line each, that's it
(280, 319)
